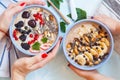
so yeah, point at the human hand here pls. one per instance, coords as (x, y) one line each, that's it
(82, 73)
(113, 24)
(27, 64)
(89, 75)
(7, 15)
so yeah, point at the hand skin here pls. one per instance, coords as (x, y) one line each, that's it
(7, 15)
(27, 64)
(89, 75)
(113, 24)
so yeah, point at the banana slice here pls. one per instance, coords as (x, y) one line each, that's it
(102, 49)
(105, 48)
(98, 50)
(94, 53)
(89, 55)
(105, 41)
(80, 59)
(95, 34)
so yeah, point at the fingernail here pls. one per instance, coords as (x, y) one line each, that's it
(44, 55)
(68, 65)
(61, 39)
(22, 4)
(92, 17)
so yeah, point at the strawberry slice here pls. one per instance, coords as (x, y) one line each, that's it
(45, 46)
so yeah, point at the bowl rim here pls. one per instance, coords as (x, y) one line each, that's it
(20, 48)
(72, 62)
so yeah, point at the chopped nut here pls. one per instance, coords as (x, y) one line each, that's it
(96, 62)
(77, 43)
(68, 45)
(86, 38)
(102, 34)
(90, 64)
(40, 10)
(51, 17)
(76, 51)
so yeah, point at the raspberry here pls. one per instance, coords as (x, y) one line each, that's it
(31, 35)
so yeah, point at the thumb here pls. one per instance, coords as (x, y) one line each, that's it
(19, 7)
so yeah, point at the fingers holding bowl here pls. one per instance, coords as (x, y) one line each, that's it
(41, 61)
(17, 7)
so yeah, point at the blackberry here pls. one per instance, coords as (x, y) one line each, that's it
(19, 24)
(25, 46)
(25, 14)
(22, 37)
(32, 23)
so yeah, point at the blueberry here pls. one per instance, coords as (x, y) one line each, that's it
(19, 24)
(28, 32)
(25, 46)
(32, 23)
(22, 37)
(23, 32)
(25, 14)
(26, 27)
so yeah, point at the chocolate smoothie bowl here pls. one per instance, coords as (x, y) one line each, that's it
(88, 44)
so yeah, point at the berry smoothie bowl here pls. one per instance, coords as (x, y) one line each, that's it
(34, 30)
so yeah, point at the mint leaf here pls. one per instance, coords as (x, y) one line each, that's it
(56, 3)
(80, 13)
(48, 4)
(44, 40)
(69, 15)
(63, 27)
(36, 46)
